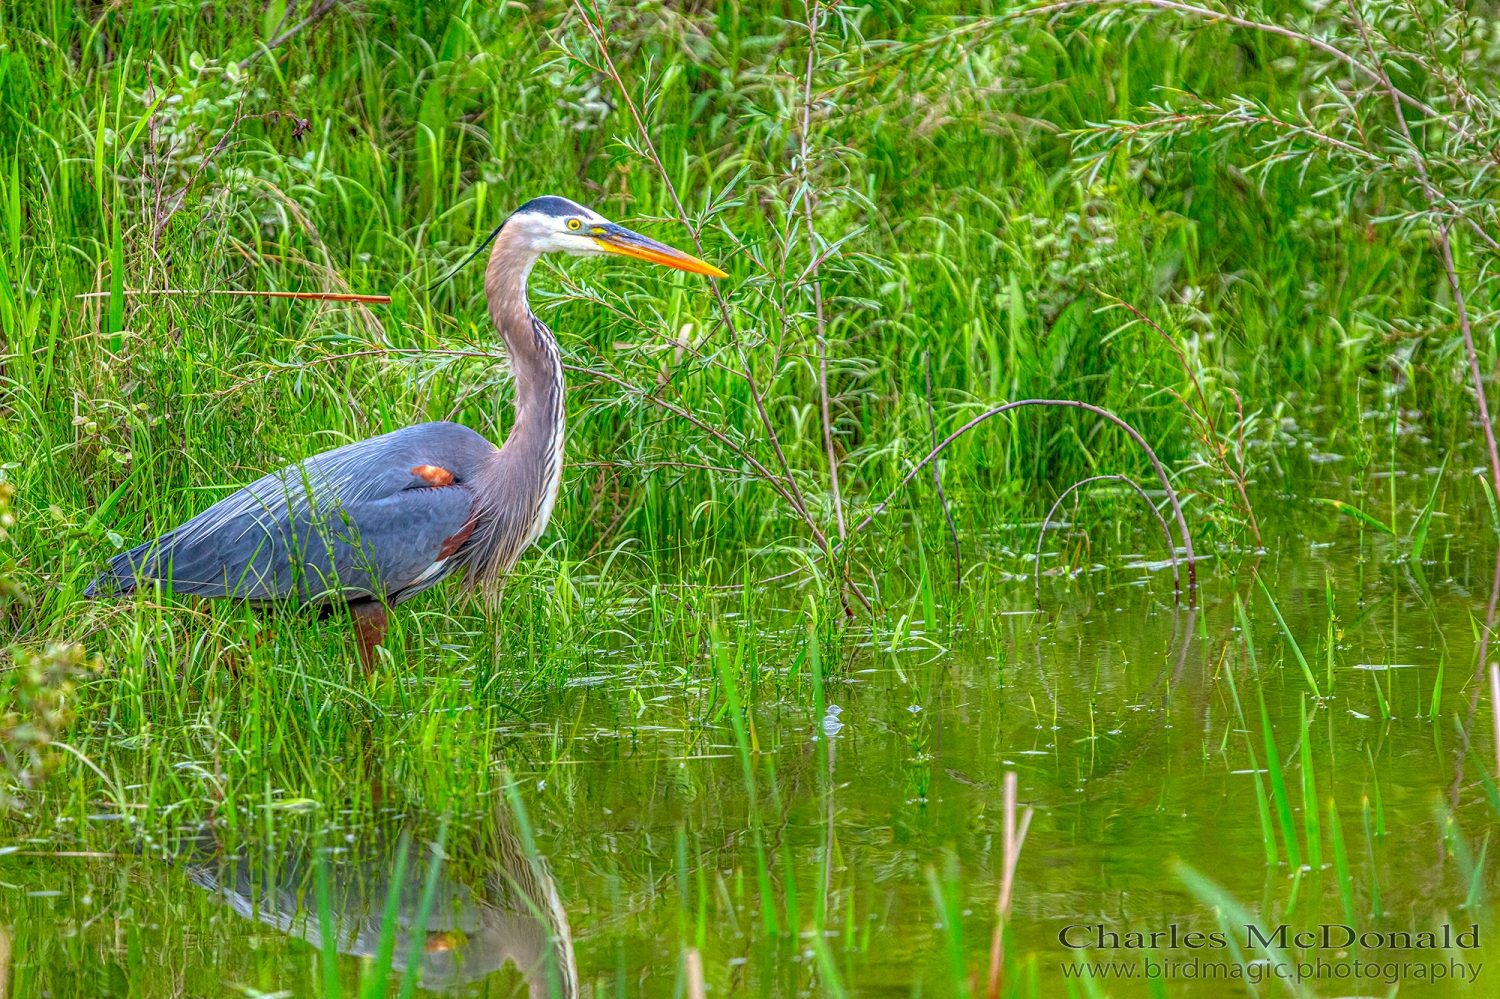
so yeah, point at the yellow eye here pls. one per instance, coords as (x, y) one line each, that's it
(574, 224)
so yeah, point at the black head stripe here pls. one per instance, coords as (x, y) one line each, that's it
(552, 206)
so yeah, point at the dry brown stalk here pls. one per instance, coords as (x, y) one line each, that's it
(1495, 709)
(1015, 837)
(694, 960)
(306, 296)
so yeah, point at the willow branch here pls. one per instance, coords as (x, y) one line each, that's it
(1209, 14)
(1444, 243)
(596, 32)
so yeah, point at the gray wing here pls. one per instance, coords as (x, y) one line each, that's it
(352, 523)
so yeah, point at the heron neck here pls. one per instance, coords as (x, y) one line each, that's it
(535, 362)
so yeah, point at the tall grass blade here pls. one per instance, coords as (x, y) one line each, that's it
(1380, 701)
(1424, 519)
(828, 969)
(1354, 512)
(945, 901)
(1291, 640)
(1212, 895)
(1489, 498)
(1475, 897)
(1262, 804)
(742, 741)
(1310, 794)
(1278, 789)
(1435, 706)
(1364, 808)
(116, 322)
(1341, 864)
(789, 889)
(328, 932)
(1247, 634)
(924, 583)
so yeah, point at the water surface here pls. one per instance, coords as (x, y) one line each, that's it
(1129, 717)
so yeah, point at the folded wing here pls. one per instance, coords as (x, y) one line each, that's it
(383, 517)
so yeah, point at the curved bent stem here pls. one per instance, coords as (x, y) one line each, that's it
(1161, 472)
(1166, 532)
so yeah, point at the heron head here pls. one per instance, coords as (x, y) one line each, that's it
(556, 225)
(550, 224)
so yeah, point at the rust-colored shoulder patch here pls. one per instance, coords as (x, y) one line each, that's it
(433, 475)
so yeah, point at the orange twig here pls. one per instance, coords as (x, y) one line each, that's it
(307, 296)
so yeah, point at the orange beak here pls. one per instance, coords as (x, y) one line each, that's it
(617, 239)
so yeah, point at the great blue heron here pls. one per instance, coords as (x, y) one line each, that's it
(374, 523)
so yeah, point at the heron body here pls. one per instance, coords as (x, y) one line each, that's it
(374, 523)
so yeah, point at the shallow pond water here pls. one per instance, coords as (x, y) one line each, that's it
(621, 830)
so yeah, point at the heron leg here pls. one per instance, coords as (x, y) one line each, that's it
(369, 631)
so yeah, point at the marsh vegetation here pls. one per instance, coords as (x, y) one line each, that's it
(818, 579)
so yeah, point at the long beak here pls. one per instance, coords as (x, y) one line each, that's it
(617, 239)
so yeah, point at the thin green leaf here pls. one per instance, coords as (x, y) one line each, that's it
(1350, 510)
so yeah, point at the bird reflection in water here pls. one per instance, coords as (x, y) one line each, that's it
(511, 913)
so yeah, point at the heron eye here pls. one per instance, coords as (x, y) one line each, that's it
(574, 224)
